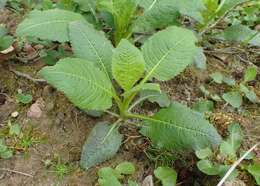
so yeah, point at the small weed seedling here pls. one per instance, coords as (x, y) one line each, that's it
(238, 90)
(226, 155)
(110, 176)
(5, 40)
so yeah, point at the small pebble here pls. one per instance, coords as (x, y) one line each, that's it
(15, 114)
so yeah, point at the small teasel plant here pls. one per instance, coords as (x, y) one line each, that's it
(218, 161)
(109, 176)
(238, 90)
(101, 75)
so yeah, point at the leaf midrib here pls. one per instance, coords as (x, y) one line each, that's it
(173, 125)
(161, 60)
(95, 50)
(44, 23)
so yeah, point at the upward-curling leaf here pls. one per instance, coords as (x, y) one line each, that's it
(48, 24)
(84, 84)
(162, 13)
(127, 65)
(168, 52)
(178, 127)
(90, 44)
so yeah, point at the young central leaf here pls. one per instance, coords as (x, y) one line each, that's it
(90, 44)
(178, 127)
(127, 65)
(123, 12)
(84, 84)
(48, 24)
(169, 52)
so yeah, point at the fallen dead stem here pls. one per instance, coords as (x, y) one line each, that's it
(16, 172)
(27, 76)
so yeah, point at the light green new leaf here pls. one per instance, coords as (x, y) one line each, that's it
(204, 153)
(24, 98)
(250, 94)
(168, 52)
(123, 12)
(48, 24)
(6, 42)
(127, 65)
(132, 183)
(178, 127)
(255, 171)
(126, 168)
(229, 81)
(85, 85)
(217, 77)
(15, 129)
(203, 106)
(250, 74)
(233, 98)
(90, 44)
(230, 146)
(207, 167)
(96, 150)
(166, 175)
(108, 177)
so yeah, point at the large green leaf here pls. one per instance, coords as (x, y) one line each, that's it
(167, 176)
(84, 84)
(96, 150)
(90, 44)
(169, 52)
(178, 127)
(127, 64)
(48, 24)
